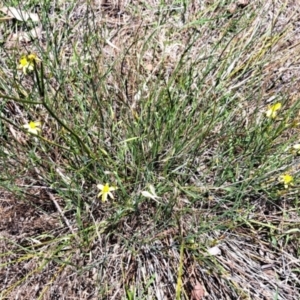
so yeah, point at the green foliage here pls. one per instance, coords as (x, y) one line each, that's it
(160, 105)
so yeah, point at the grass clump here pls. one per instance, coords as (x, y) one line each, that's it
(182, 118)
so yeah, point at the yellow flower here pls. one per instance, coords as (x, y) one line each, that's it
(27, 62)
(273, 110)
(33, 127)
(105, 191)
(286, 180)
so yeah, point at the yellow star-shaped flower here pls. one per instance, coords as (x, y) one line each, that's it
(273, 110)
(105, 191)
(33, 127)
(286, 180)
(27, 62)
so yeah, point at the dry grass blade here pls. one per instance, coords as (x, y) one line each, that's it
(20, 15)
(198, 292)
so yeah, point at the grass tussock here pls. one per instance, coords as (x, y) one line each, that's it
(183, 116)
